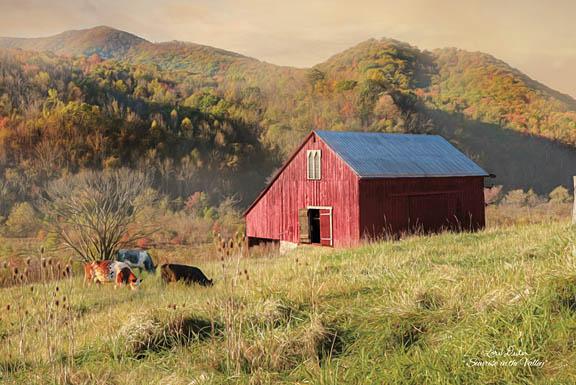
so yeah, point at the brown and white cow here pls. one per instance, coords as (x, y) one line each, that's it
(110, 271)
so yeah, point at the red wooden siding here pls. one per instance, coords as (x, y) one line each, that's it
(275, 214)
(397, 205)
(361, 207)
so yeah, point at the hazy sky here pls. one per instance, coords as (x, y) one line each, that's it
(536, 36)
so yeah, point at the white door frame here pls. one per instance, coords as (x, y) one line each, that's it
(331, 211)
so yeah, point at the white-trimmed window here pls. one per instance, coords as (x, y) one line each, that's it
(314, 158)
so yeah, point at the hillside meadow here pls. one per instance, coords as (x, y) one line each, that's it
(497, 306)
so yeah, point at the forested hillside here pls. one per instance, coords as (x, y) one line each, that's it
(59, 116)
(487, 89)
(205, 119)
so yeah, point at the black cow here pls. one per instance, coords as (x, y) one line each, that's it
(172, 272)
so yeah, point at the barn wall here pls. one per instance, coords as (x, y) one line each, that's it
(275, 215)
(385, 204)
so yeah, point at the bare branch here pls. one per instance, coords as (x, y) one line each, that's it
(92, 211)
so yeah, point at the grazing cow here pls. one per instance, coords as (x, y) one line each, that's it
(172, 272)
(137, 258)
(110, 271)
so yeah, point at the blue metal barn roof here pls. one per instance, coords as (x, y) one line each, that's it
(374, 155)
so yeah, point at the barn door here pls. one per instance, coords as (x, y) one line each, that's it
(326, 227)
(304, 226)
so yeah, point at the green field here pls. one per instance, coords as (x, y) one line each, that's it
(494, 307)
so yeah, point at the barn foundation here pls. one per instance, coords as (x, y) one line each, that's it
(286, 246)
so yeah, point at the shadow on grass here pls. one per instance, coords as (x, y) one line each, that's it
(12, 366)
(408, 331)
(562, 291)
(155, 336)
(334, 343)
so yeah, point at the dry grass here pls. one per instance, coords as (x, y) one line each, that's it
(512, 214)
(412, 311)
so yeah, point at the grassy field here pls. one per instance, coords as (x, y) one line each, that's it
(494, 307)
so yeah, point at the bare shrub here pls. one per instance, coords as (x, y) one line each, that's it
(519, 207)
(515, 197)
(492, 194)
(560, 195)
(92, 211)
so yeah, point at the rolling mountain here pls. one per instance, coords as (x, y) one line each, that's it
(105, 41)
(181, 106)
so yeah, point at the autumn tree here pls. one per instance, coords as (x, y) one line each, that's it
(92, 212)
(22, 221)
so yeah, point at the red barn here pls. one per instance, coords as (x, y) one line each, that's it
(340, 187)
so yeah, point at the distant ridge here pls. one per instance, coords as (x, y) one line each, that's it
(105, 41)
